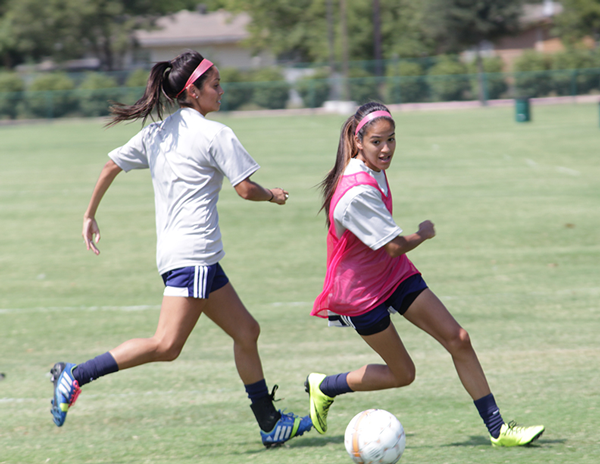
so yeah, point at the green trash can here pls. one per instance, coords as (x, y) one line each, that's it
(522, 109)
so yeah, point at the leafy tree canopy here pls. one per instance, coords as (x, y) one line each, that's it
(580, 18)
(65, 29)
(460, 23)
(298, 29)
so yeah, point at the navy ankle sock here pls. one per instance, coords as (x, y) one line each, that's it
(262, 405)
(334, 385)
(95, 368)
(490, 414)
(257, 390)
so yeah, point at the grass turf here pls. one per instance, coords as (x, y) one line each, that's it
(515, 260)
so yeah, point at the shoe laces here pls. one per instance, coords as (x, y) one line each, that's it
(272, 394)
(513, 427)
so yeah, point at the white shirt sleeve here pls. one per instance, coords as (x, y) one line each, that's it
(231, 158)
(362, 211)
(132, 155)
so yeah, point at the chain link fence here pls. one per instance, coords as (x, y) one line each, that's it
(403, 84)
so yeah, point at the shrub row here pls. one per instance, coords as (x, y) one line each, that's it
(56, 95)
(444, 79)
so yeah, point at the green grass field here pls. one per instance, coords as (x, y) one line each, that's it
(516, 207)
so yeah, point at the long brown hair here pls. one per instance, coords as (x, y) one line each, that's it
(347, 149)
(167, 79)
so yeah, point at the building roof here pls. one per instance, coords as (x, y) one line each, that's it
(190, 29)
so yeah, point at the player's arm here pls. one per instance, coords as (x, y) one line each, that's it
(250, 190)
(91, 232)
(404, 243)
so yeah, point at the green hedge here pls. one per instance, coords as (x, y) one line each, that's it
(406, 83)
(11, 88)
(448, 80)
(314, 89)
(271, 91)
(51, 96)
(494, 80)
(97, 92)
(238, 91)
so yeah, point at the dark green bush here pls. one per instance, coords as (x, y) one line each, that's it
(238, 91)
(270, 89)
(495, 82)
(448, 80)
(531, 78)
(363, 86)
(51, 96)
(569, 76)
(11, 88)
(405, 83)
(96, 92)
(314, 89)
(137, 78)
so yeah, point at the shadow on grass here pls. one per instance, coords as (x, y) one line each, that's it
(300, 442)
(484, 441)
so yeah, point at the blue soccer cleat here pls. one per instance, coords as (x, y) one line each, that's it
(66, 391)
(287, 427)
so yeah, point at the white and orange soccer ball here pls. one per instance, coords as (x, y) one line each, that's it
(375, 436)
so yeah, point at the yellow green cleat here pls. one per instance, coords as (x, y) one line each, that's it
(319, 402)
(512, 434)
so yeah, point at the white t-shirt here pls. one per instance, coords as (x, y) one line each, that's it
(188, 156)
(362, 211)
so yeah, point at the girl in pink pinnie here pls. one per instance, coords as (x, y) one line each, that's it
(370, 276)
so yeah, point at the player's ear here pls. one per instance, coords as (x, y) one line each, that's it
(358, 142)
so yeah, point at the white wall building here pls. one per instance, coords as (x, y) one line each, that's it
(217, 35)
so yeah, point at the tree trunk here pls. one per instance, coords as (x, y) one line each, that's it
(343, 19)
(481, 78)
(377, 38)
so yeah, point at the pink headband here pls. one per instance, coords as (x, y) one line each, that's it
(201, 69)
(370, 117)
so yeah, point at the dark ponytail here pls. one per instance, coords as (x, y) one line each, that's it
(347, 149)
(167, 79)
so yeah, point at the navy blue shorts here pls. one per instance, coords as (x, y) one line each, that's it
(194, 281)
(378, 319)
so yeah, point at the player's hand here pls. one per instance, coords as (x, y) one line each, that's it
(426, 230)
(91, 234)
(280, 196)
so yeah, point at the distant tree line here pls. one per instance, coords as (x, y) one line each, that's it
(294, 30)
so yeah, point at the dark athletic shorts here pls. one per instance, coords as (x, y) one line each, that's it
(378, 319)
(194, 281)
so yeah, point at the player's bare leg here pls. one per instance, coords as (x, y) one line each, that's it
(178, 317)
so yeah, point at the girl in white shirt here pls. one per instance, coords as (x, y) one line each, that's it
(188, 157)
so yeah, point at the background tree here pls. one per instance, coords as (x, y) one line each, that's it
(457, 24)
(297, 29)
(67, 29)
(579, 18)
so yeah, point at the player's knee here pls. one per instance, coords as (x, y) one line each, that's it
(248, 334)
(167, 351)
(460, 342)
(405, 377)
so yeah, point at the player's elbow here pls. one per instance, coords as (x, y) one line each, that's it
(245, 189)
(394, 250)
(244, 193)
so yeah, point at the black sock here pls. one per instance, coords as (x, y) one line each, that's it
(95, 368)
(490, 414)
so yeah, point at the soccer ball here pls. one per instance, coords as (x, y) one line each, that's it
(375, 436)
